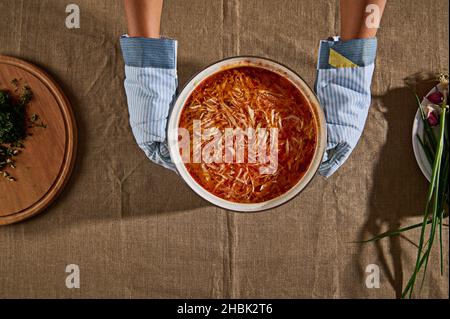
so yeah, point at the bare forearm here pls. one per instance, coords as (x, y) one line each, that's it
(143, 17)
(353, 18)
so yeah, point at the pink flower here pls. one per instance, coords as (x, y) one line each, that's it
(435, 97)
(433, 118)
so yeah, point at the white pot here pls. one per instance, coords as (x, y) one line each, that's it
(261, 63)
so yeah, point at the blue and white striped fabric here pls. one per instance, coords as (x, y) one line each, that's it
(344, 93)
(151, 84)
(343, 88)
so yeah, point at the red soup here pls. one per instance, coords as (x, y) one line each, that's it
(261, 164)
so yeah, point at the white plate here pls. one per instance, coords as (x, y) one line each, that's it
(421, 158)
(418, 128)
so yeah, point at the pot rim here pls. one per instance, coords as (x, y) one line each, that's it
(230, 63)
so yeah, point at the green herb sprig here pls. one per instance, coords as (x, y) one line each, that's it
(14, 126)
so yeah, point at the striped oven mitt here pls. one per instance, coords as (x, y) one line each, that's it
(150, 84)
(344, 77)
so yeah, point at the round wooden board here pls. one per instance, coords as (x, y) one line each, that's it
(44, 165)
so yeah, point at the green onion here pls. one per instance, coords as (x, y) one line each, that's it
(437, 152)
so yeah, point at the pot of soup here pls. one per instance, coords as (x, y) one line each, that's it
(247, 134)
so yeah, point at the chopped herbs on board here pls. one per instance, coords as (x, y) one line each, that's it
(14, 125)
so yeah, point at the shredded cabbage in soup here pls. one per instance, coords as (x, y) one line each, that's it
(243, 98)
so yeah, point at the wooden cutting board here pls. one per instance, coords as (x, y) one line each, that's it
(44, 165)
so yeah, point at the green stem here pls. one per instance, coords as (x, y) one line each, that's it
(442, 199)
(440, 243)
(428, 130)
(411, 280)
(392, 233)
(426, 149)
(434, 222)
(433, 185)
